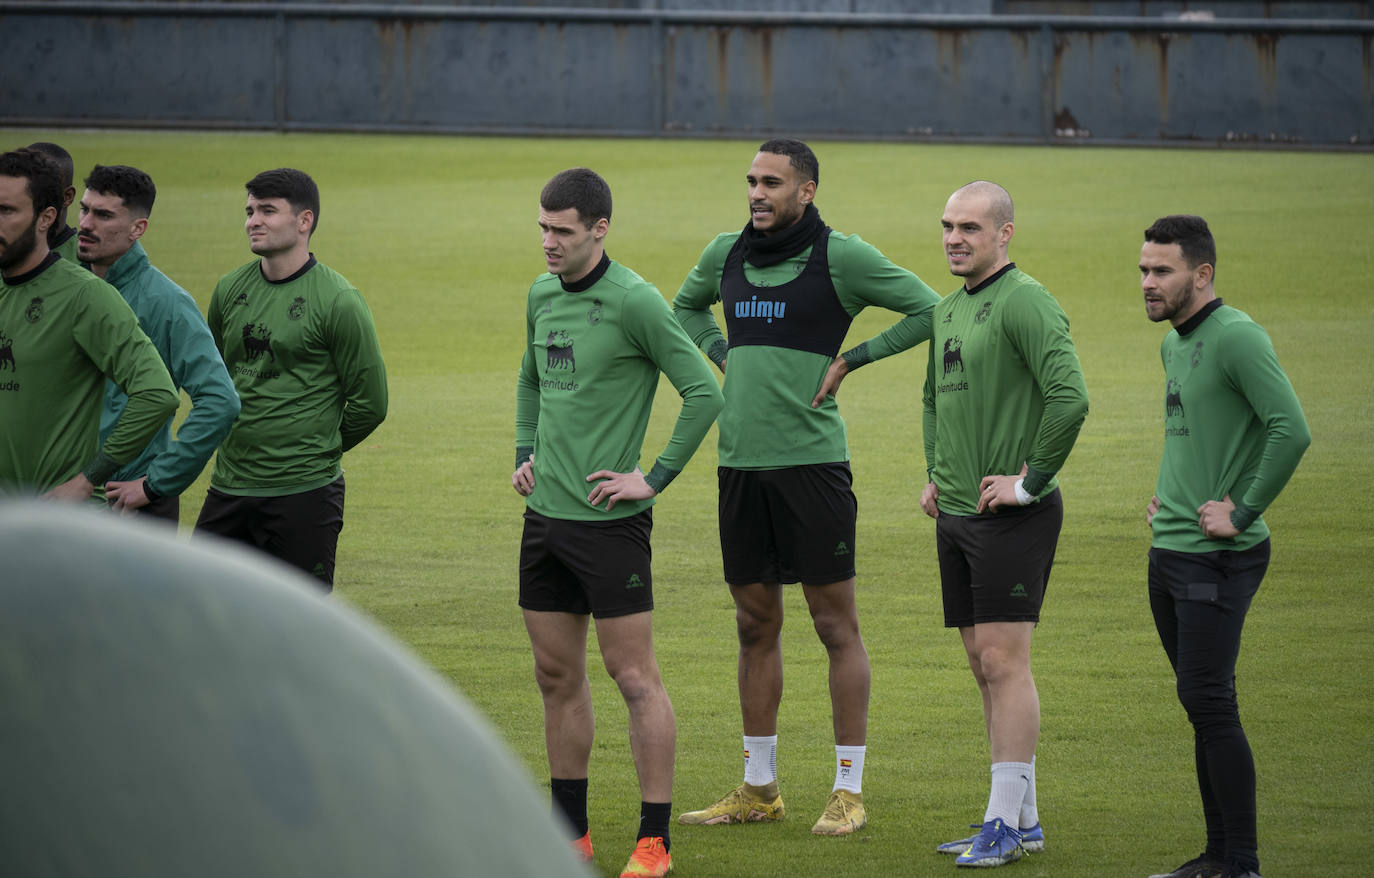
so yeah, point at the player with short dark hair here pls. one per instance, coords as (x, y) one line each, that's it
(1234, 433)
(63, 333)
(597, 337)
(789, 288)
(114, 213)
(61, 237)
(1004, 401)
(302, 350)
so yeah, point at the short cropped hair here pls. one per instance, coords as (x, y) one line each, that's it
(800, 155)
(1191, 235)
(60, 156)
(130, 184)
(295, 186)
(42, 173)
(580, 188)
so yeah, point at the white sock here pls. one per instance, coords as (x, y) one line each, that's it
(849, 768)
(1029, 815)
(1009, 783)
(760, 760)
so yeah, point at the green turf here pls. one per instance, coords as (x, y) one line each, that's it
(440, 235)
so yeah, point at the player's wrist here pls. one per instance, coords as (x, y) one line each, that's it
(1023, 497)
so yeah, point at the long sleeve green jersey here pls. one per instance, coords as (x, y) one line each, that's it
(305, 360)
(1003, 389)
(768, 421)
(1232, 425)
(586, 386)
(63, 332)
(170, 318)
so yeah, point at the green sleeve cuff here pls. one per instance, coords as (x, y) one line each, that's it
(1241, 518)
(659, 477)
(857, 356)
(522, 454)
(1035, 481)
(100, 469)
(717, 352)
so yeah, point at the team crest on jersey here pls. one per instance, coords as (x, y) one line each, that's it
(257, 340)
(594, 315)
(34, 312)
(297, 309)
(1173, 399)
(1197, 355)
(560, 351)
(7, 353)
(983, 312)
(954, 354)
(242, 299)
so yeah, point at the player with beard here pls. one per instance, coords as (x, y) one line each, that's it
(301, 347)
(63, 332)
(61, 237)
(789, 287)
(114, 215)
(1233, 435)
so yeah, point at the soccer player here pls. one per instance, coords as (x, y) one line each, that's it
(597, 337)
(63, 332)
(1233, 435)
(1004, 400)
(61, 237)
(114, 213)
(789, 287)
(301, 347)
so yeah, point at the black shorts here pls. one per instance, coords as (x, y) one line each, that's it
(995, 567)
(597, 567)
(300, 529)
(163, 509)
(788, 525)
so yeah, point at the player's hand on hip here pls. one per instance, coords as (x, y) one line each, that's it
(615, 486)
(928, 498)
(1214, 517)
(1152, 510)
(995, 492)
(522, 480)
(830, 385)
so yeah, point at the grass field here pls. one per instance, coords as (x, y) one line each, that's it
(440, 235)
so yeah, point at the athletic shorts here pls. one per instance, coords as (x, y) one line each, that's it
(596, 567)
(300, 529)
(994, 567)
(788, 525)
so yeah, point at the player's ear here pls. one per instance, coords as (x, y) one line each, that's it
(140, 226)
(1203, 273)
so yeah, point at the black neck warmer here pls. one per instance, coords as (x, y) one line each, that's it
(762, 250)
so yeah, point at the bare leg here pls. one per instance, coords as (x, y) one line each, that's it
(836, 618)
(627, 647)
(999, 654)
(559, 641)
(758, 618)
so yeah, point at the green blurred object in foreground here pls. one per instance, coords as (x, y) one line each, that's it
(190, 709)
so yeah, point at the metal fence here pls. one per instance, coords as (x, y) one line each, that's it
(683, 73)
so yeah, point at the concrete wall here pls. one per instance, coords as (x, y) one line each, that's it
(669, 72)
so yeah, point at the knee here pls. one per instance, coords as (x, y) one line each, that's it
(1209, 706)
(996, 667)
(556, 680)
(756, 629)
(837, 631)
(636, 684)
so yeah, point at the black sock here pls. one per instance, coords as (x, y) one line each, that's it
(653, 821)
(570, 798)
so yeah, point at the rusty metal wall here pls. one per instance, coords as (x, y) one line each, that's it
(1013, 78)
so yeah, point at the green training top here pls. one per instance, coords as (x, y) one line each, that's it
(169, 316)
(63, 331)
(593, 353)
(67, 245)
(1003, 388)
(1232, 425)
(305, 361)
(768, 421)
